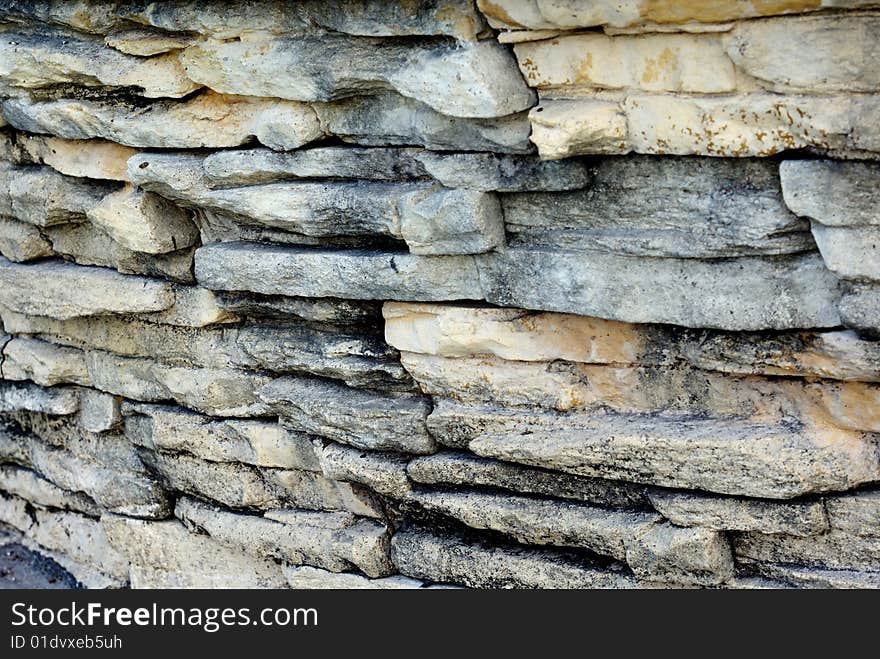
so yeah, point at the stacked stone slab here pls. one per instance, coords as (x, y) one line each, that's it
(442, 294)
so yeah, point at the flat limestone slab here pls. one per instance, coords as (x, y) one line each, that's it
(336, 273)
(63, 290)
(727, 457)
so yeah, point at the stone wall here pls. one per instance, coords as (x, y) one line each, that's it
(527, 293)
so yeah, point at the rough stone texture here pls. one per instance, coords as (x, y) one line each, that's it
(362, 419)
(681, 207)
(677, 14)
(743, 125)
(318, 579)
(461, 81)
(497, 294)
(144, 222)
(206, 120)
(45, 58)
(726, 457)
(97, 159)
(165, 555)
(724, 514)
(61, 290)
(423, 555)
(256, 443)
(358, 275)
(742, 294)
(464, 469)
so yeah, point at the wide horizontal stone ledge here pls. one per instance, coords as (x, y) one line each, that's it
(443, 557)
(748, 293)
(204, 120)
(357, 359)
(430, 218)
(63, 290)
(186, 175)
(726, 457)
(223, 20)
(802, 518)
(255, 442)
(454, 330)
(452, 468)
(672, 14)
(767, 54)
(336, 273)
(679, 207)
(35, 59)
(737, 294)
(740, 125)
(211, 120)
(478, 80)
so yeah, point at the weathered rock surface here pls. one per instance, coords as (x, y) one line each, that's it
(464, 469)
(43, 197)
(808, 577)
(390, 119)
(860, 309)
(424, 555)
(252, 166)
(87, 244)
(333, 541)
(144, 222)
(478, 80)
(45, 58)
(363, 419)
(742, 458)
(96, 159)
(99, 412)
(489, 171)
(43, 363)
(742, 125)
(836, 550)
(517, 334)
(335, 273)
(455, 18)
(57, 401)
(727, 513)
(570, 14)
(339, 294)
(204, 120)
(431, 219)
(165, 555)
(857, 513)
(741, 294)
(385, 473)
(681, 207)
(542, 521)
(29, 485)
(257, 443)
(21, 242)
(80, 538)
(836, 194)
(61, 290)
